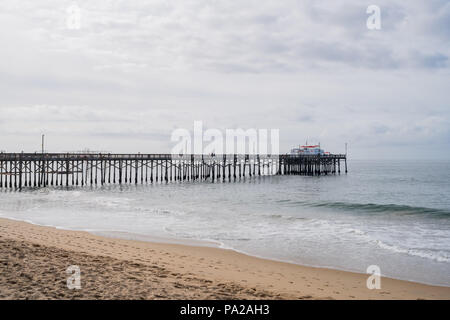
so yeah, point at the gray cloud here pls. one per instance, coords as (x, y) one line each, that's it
(136, 70)
(432, 61)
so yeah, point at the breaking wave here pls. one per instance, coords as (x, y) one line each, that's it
(380, 208)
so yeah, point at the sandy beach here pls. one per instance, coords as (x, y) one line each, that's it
(34, 259)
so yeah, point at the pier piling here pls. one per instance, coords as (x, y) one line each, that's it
(18, 170)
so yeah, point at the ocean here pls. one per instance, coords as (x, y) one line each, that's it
(393, 214)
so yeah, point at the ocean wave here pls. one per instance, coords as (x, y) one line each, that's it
(381, 208)
(436, 255)
(284, 217)
(343, 231)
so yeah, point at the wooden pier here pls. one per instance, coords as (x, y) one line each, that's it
(18, 170)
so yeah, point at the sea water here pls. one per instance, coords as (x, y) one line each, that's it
(393, 214)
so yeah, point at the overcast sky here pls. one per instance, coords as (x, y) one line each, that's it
(136, 70)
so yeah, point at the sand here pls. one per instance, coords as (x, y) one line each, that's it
(34, 259)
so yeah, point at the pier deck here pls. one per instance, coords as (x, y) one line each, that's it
(19, 170)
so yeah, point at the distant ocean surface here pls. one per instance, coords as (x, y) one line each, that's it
(392, 214)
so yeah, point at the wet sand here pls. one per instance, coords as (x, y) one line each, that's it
(34, 259)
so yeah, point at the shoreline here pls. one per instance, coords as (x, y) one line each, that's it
(123, 235)
(219, 245)
(184, 271)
